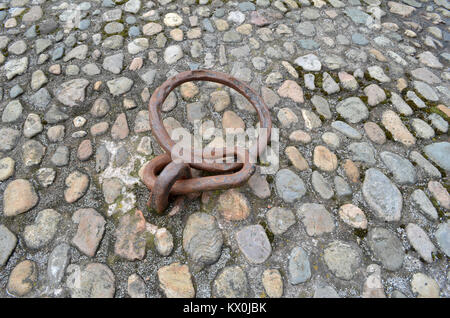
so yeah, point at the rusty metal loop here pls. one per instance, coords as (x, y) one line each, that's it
(161, 93)
(165, 176)
(187, 186)
(159, 197)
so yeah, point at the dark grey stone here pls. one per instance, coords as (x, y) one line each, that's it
(8, 243)
(299, 267)
(102, 156)
(254, 244)
(290, 186)
(386, 247)
(439, 153)
(382, 195)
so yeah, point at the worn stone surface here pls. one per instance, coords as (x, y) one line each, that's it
(233, 205)
(43, 229)
(77, 184)
(8, 242)
(289, 185)
(342, 259)
(19, 197)
(231, 282)
(353, 216)
(442, 235)
(163, 242)
(72, 93)
(273, 283)
(90, 229)
(357, 91)
(57, 263)
(424, 286)
(299, 266)
(324, 159)
(22, 278)
(131, 236)
(386, 247)
(420, 242)
(373, 286)
(438, 153)
(382, 195)
(316, 219)
(398, 130)
(254, 244)
(402, 170)
(94, 280)
(353, 110)
(176, 282)
(136, 286)
(280, 220)
(202, 239)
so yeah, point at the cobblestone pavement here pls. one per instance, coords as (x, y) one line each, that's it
(359, 90)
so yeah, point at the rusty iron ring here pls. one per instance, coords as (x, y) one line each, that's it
(161, 93)
(159, 197)
(175, 178)
(187, 186)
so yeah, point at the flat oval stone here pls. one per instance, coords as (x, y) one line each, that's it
(309, 62)
(439, 152)
(324, 159)
(424, 286)
(299, 266)
(386, 247)
(353, 110)
(136, 286)
(346, 129)
(8, 242)
(399, 132)
(12, 111)
(280, 220)
(176, 281)
(77, 184)
(420, 242)
(254, 244)
(7, 168)
(382, 195)
(321, 185)
(231, 282)
(42, 231)
(316, 219)
(426, 207)
(442, 236)
(352, 215)
(342, 259)
(94, 280)
(202, 239)
(90, 228)
(57, 262)
(23, 278)
(290, 186)
(19, 197)
(273, 283)
(401, 168)
(233, 205)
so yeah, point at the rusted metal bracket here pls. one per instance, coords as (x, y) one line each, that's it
(165, 178)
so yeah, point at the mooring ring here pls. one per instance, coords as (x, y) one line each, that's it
(160, 94)
(201, 184)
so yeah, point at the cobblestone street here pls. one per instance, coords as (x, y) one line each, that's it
(358, 207)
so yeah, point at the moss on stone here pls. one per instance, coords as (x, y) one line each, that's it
(361, 233)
